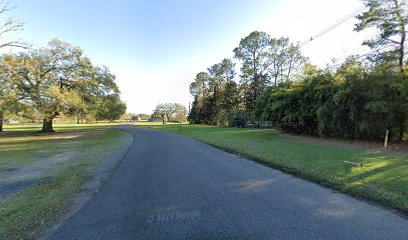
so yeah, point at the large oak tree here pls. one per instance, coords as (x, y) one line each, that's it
(59, 79)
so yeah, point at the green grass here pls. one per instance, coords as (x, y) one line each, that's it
(383, 177)
(58, 126)
(29, 213)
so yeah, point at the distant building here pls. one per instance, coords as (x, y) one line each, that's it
(154, 119)
(144, 119)
(136, 119)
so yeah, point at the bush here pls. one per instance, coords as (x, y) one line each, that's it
(237, 118)
(222, 118)
(352, 103)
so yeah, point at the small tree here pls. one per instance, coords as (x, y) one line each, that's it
(180, 113)
(160, 110)
(171, 111)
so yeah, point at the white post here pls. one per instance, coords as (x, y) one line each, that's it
(386, 139)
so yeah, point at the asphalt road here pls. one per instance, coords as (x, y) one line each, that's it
(172, 187)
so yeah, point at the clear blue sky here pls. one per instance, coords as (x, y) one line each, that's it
(156, 47)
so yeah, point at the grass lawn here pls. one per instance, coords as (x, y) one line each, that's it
(68, 159)
(383, 177)
(58, 126)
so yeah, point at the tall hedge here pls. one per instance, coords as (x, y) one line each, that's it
(352, 103)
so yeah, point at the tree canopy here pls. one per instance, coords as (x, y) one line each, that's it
(171, 112)
(219, 96)
(59, 79)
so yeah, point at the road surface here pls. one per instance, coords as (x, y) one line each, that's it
(172, 187)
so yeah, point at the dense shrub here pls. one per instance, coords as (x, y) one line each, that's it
(352, 103)
(237, 118)
(222, 118)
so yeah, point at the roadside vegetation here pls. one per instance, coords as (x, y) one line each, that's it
(359, 98)
(382, 178)
(41, 175)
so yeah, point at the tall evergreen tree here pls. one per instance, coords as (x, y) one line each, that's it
(286, 59)
(253, 52)
(390, 17)
(221, 73)
(230, 98)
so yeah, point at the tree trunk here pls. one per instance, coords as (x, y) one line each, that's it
(401, 52)
(396, 135)
(47, 126)
(1, 120)
(401, 134)
(77, 118)
(163, 118)
(402, 31)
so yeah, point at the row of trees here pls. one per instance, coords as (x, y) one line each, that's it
(54, 80)
(360, 99)
(265, 61)
(170, 112)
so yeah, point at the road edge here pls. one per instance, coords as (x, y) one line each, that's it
(90, 188)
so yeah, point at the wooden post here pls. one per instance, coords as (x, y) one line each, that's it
(180, 126)
(386, 138)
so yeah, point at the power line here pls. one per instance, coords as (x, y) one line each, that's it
(360, 57)
(333, 26)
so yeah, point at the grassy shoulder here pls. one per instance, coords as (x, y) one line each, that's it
(68, 160)
(383, 177)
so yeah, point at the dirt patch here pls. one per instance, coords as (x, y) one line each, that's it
(36, 169)
(14, 136)
(44, 161)
(47, 161)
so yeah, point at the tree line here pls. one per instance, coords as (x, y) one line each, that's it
(265, 61)
(359, 99)
(54, 80)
